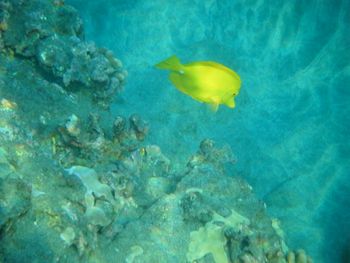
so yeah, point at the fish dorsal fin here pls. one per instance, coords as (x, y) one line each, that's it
(215, 65)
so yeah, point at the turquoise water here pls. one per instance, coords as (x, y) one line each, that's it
(290, 128)
(79, 184)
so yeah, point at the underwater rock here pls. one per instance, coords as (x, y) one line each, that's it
(97, 216)
(119, 200)
(251, 236)
(6, 167)
(92, 185)
(96, 133)
(96, 194)
(130, 133)
(31, 21)
(52, 35)
(211, 217)
(135, 251)
(7, 105)
(119, 128)
(8, 132)
(77, 138)
(194, 208)
(53, 54)
(92, 68)
(68, 236)
(15, 197)
(40, 104)
(211, 239)
(207, 240)
(139, 126)
(135, 203)
(145, 174)
(210, 154)
(160, 233)
(8, 128)
(79, 63)
(72, 125)
(298, 256)
(156, 187)
(67, 138)
(158, 164)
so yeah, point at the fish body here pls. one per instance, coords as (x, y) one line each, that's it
(204, 81)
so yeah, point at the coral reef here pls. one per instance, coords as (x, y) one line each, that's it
(212, 239)
(85, 186)
(211, 217)
(52, 36)
(75, 139)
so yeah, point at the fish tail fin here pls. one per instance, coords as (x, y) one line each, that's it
(172, 63)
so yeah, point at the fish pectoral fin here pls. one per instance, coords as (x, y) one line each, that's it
(213, 106)
(231, 103)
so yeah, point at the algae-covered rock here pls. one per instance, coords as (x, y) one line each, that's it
(78, 184)
(194, 207)
(68, 235)
(210, 239)
(210, 217)
(52, 36)
(96, 216)
(31, 21)
(5, 165)
(90, 181)
(15, 197)
(95, 209)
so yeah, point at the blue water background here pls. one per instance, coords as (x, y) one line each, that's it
(290, 128)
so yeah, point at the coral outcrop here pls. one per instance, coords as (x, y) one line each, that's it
(52, 36)
(80, 185)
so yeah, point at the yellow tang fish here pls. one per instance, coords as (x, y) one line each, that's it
(204, 81)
